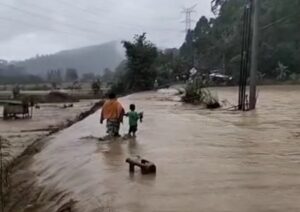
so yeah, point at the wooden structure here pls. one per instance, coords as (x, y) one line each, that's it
(146, 166)
(14, 108)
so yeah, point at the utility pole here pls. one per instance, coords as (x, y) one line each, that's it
(254, 53)
(245, 56)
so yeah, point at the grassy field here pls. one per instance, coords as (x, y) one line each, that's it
(44, 96)
(41, 92)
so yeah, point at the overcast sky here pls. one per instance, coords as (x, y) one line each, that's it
(30, 27)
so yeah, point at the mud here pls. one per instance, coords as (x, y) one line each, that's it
(17, 135)
(206, 160)
(17, 186)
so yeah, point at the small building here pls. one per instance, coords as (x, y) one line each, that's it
(12, 109)
(219, 79)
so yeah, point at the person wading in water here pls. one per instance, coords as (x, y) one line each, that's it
(112, 112)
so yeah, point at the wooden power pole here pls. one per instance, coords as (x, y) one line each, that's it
(254, 55)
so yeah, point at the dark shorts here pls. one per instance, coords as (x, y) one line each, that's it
(132, 129)
(113, 127)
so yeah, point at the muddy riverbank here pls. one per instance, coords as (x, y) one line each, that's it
(22, 139)
(18, 134)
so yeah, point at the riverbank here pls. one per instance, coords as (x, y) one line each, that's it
(17, 135)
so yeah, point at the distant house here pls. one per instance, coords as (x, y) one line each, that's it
(214, 78)
(218, 79)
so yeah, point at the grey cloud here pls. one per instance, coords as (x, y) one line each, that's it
(43, 26)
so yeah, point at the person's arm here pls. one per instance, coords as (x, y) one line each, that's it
(122, 115)
(101, 117)
(102, 113)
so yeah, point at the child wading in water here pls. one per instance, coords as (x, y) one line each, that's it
(133, 120)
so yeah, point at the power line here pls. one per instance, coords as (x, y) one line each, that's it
(278, 21)
(94, 14)
(44, 9)
(47, 18)
(71, 26)
(38, 26)
(81, 8)
(85, 11)
(90, 12)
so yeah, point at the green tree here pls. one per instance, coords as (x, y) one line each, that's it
(216, 43)
(203, 44)
(141, 56)
(87, 77)
(187, 49)
(282, 71)
(96, 87)
(71, 75)
(54, 77)
(170, 66)
(16, 91)
(107, 75)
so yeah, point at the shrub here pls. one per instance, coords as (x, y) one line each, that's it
(197, 93)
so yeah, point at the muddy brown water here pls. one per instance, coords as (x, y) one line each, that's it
(207, 160)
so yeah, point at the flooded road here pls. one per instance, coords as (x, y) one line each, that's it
(206, 160)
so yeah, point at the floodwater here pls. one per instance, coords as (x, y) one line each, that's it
(206, 160)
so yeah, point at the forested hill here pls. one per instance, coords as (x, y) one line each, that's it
(84, 60)
(216, 42)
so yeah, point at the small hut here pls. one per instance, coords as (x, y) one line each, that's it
(13, 109)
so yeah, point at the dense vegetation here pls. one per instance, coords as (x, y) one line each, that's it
(216, 43)
(11, 74)
(146, 64)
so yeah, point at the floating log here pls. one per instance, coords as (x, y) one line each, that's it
(146, 166)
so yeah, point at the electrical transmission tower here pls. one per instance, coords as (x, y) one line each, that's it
(188, 17)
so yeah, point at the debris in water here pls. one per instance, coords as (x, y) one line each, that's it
(67, 207)
(146, 166)
(105, 138)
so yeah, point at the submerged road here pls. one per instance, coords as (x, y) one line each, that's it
(207, 160)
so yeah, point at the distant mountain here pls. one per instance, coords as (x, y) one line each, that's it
(86, 60)
(10, 70)
(12, 74)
